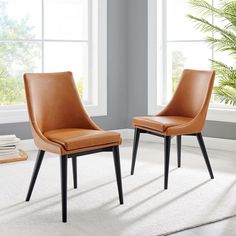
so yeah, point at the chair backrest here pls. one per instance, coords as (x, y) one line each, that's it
(53, 102)
(192, 95)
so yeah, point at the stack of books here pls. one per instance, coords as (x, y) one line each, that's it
(8, 147)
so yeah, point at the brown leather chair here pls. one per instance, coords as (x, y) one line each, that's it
(184, 115)
(61, 125)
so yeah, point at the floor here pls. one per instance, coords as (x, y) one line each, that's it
(222, 228)
(224, 163)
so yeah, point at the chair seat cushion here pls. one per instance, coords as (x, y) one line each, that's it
(76, 138)
(159, 123)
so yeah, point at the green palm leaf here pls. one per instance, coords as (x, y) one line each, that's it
(222, 38)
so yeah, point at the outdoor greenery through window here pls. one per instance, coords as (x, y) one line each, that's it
(182, 45)
(43, 36)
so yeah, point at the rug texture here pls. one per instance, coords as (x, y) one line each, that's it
(93, 208)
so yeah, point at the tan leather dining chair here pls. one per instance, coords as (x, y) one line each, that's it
(184, 115)
(61, 125)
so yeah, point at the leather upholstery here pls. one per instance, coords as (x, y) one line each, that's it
(72, 139)
(160, 123)
(57, 116)
(187, 110)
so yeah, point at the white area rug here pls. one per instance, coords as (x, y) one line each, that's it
(93, 209)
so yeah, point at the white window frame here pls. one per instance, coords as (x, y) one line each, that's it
(155, 72)
(18, 113)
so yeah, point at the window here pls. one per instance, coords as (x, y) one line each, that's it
(175, 44)
(49, 36)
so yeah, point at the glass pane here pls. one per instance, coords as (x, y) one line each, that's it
(20, 19)
(182, 56)
(16, 59)
(225, 58)
(67, 56)
(66, 19)
(179, 26)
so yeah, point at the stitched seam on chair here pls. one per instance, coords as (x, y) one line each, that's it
(164, 127)
(161, 126)
(94, 146)
(66, 148)
(149, 129)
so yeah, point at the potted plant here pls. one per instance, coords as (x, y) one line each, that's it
(223, 38)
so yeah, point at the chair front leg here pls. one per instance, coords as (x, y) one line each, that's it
(135, 148)
(74, 169)
(204, 153)
(167, 160)
(116, 157)
(179, 150)
(35, 173)
(63, 161)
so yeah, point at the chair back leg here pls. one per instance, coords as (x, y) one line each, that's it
(63, 161)
(74, 170)
(35, 173)
(167, 160)
(204, 153)
(179, 150)
(116, 157)
(135, 149)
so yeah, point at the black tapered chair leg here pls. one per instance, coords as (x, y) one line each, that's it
(204, 153)
(74, 169)
(179, 150)
(116, 157)
(63, 160)
(167, 160)
(35, 173)
(135, 149)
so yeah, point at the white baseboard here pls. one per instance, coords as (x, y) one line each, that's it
(211, 143)
(127, 134)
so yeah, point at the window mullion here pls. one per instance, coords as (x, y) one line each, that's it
(90, 46)
(42, 40)
(164, 51)
(212, 49)
(212, 19)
